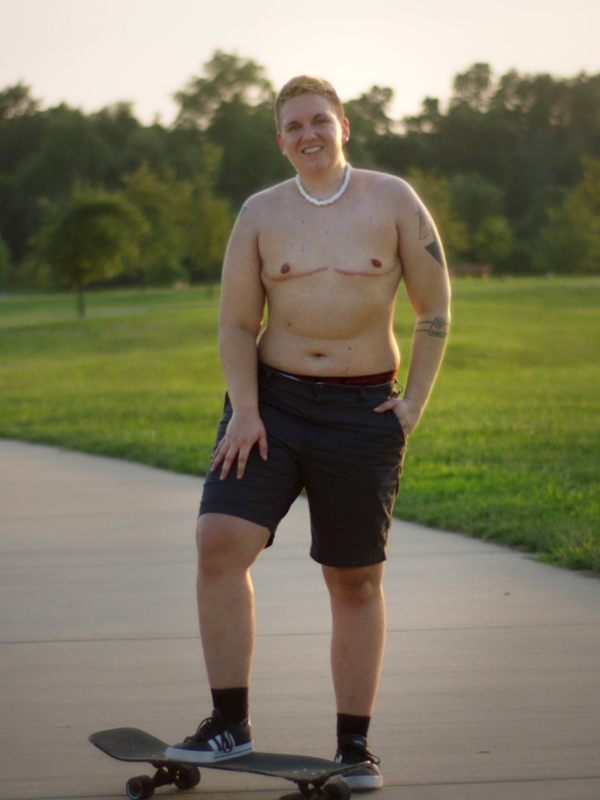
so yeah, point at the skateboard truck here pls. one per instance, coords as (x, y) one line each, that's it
(186, 777)
(183, 777)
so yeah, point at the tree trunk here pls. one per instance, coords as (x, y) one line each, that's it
(80, 301)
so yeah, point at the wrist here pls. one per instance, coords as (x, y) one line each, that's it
(415, 406)
(244, 409)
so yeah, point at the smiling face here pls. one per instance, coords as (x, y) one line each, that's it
(311, 134)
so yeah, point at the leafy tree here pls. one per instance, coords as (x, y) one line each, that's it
(42, 152)
(93, 236)
(207, 225)
(571, 240)
(474, 198)
(188, 226)
(251, 159)
(474, 87)
(16, 101)
(163, 201)
(435, 193)
(41, 155)
(233, 104)
(480, 205)
(5, 265)
(508, 149)
(523, 133)
(227, 78)
(493, 241)
(369, 123)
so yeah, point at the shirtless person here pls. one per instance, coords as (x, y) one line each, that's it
(311, 403)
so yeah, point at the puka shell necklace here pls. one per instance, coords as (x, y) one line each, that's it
(329, 200)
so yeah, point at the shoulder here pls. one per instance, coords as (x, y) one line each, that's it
(390, 194)
(388, 187)
(261, 203)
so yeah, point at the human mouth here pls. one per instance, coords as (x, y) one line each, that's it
(310, 150)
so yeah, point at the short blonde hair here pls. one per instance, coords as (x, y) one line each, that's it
(308, 84)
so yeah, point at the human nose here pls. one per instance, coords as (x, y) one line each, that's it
(309, 133)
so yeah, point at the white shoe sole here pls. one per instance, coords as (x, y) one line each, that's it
(186, 756)
(364, 782)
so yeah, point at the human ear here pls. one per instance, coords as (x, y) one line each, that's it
(345, 131)
(281, 145)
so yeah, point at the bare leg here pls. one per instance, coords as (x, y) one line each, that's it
(227, 548)
(358, 612)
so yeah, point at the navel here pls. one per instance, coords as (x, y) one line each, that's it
(376, 262)
(285, 268)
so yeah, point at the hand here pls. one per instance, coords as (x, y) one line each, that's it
(245, 429)
(407, 412)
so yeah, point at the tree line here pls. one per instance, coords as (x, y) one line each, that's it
(510, 169)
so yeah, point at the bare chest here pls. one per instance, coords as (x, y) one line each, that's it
(322, 241)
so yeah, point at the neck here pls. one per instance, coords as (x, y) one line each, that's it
(324, 183)
(326, 189)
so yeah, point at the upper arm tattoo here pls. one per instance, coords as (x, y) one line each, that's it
(426, 230)
(434, 249)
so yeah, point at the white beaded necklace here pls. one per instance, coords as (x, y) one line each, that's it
(329, 200)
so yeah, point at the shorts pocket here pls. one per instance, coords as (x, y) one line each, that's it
(396, 423)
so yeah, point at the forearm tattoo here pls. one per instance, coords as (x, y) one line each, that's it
(426, 231)
(437, 327)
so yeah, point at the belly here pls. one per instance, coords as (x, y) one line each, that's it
(329, 323)
(325, 341)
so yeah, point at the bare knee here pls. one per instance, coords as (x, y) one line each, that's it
(354, 586)
(212, 550)
(227, 545)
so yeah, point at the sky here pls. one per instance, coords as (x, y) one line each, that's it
(92, 53)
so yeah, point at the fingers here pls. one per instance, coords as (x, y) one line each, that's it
(263, 447)
(231, 448)
(406, 411)
(225, 455)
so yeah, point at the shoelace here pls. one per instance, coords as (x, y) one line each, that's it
(356, 754)
(212, 728)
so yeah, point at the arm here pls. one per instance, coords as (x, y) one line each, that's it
(428, 287)
(240, 318)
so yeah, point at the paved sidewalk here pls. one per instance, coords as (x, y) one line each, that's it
(491, 682)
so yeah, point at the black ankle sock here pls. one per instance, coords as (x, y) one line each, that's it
(348, 724)
(232, 703)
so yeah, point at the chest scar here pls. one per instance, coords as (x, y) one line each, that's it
(286, 276)
(363, 273)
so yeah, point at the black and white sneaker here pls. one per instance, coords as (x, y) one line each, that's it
(215, 740)
(353, 749)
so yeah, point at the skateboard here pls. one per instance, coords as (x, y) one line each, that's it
(308, 773)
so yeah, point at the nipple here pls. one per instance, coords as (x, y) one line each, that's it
(285, 268)
(376, 262)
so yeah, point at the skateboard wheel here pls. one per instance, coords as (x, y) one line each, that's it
(140, 788)
(337, 790)
(187, 777)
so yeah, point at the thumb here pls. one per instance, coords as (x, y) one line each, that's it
(389, 404)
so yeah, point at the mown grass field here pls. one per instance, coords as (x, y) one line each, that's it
(508, 450)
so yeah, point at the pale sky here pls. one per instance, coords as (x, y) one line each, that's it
(91, 53)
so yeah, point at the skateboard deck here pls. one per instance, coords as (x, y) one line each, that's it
(308, 773)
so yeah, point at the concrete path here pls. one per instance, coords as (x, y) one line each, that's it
(490, 688)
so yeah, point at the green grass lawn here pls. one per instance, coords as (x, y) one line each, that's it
(508, 450)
